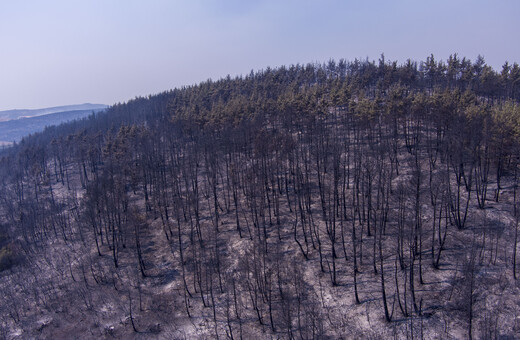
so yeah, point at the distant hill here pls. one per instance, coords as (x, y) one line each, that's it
(15, 129)
(25, 113)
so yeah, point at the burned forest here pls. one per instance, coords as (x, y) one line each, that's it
(349, 199)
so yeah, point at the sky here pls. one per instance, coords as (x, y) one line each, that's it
(61, 52)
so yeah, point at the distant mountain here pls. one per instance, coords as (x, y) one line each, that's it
(25, 113)
(16, 129)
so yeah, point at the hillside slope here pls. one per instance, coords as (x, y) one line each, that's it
(345, 200)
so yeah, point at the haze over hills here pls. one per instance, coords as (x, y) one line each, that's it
(15, 124)
(25, 113)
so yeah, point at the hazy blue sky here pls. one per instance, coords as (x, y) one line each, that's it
(57, 52)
